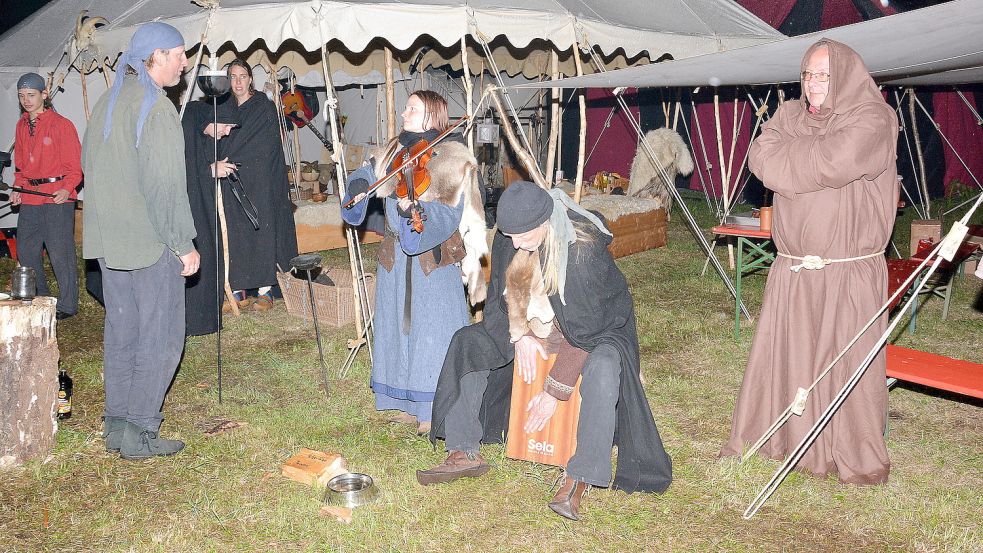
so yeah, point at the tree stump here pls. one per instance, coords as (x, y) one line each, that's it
(28, 380)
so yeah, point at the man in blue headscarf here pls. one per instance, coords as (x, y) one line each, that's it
(138, 225)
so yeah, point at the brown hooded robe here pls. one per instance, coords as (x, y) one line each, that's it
(836, 194)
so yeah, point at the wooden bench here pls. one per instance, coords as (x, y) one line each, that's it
(935, 371)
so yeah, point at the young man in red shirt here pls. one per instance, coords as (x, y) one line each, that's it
(47, 159)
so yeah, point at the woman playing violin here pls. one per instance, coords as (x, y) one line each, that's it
(420, 300)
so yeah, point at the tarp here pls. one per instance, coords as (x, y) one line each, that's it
(937, 40)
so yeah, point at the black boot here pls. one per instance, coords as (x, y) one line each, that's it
(112, 432)
(141, 443)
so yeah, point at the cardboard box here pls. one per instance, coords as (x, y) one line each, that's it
(314, 467)
(924, 229)
(557, 441)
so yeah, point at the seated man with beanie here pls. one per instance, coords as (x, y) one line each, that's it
(562, 294)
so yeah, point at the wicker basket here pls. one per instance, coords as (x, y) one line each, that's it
(335, 304)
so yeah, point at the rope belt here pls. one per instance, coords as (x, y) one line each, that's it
(813, 262)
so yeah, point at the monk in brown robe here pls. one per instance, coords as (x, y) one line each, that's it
(830, 159)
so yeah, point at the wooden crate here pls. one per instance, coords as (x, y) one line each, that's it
(637, 232)
(335, 304)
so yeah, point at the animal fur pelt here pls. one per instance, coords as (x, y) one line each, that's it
(646, 181)
(453, 178)
(523, 285)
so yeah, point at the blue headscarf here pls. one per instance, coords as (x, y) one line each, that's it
(149, 37)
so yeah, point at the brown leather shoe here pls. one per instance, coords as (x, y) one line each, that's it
(566, 502)
(457, 465)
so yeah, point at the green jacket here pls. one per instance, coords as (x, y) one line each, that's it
(136, 200)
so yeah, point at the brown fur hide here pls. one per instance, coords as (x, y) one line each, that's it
(521, 276)
(453, 178)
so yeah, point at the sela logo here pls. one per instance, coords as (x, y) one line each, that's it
(543, 448)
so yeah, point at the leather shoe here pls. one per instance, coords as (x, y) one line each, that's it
(566, 502)
(112, 432)
(142, 443)
(61, 315)
(457, 465)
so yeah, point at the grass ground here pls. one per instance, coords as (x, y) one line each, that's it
(226, 493)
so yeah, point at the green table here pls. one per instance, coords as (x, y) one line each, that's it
(759, 256)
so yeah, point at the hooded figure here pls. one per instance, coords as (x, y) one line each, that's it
(830, 159)
(548, 258)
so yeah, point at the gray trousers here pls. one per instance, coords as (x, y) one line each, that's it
(50, 227)
(143, 339)
(599, 392)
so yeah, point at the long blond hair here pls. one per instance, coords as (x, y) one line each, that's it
(550, 253)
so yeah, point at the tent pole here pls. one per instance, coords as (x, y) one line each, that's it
(468, 90)
(918, 150)
(363, 316)
(525, 156)
(85, 96)
(694, 227)
(390, 96)
(582, 137)
(194, 73)
(919, 206)
(554, 119)
(723, 168)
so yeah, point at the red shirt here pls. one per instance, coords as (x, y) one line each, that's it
(52, 151)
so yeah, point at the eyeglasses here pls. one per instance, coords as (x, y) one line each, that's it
(820, 77)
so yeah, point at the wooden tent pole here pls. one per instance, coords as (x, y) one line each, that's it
(730, 160)
(468, 90)
(582, 144)
(723, 167)
(919, 152)
(554, 119)
(524, 155)
(390, 97)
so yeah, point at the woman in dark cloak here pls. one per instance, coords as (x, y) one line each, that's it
(255, 149)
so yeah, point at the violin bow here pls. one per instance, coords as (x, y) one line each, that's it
(375, 186)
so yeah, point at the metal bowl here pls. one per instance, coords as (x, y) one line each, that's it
(350, 490)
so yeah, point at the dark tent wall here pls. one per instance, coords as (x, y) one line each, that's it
(614, 145)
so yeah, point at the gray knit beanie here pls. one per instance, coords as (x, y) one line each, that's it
(523, 206)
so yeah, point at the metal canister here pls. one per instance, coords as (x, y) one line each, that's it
(23, 283)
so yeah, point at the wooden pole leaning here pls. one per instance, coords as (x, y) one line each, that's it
(390, 96)
(363, 315)
(524, 155)
(551, 154)
(578, 190)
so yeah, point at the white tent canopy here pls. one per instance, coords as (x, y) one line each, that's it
(935, 45)
(682, 28)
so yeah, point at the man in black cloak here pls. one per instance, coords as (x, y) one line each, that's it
(593, 310)
(202, 291)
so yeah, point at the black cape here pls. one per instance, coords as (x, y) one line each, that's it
(255, 144)
(202, 291)
(598, 311)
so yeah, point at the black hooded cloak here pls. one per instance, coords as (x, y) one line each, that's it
(202, 292)
(598, 310)
(255, 144)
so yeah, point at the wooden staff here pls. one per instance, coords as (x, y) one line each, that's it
(225, 250)
(582, 144)
(554, 119)
(525, 157)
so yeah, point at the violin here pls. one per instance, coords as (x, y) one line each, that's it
(412, 178)
(417, 174)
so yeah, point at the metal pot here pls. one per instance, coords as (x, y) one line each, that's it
(350, 490)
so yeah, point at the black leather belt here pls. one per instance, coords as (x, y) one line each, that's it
(39, 182)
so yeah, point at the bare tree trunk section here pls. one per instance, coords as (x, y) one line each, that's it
(28, 380)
